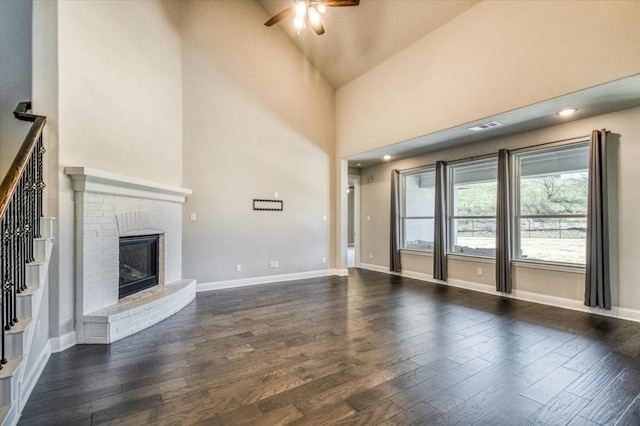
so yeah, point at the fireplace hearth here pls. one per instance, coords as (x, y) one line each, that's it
(139, 264)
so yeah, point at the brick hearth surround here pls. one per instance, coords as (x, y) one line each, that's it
(108, 206)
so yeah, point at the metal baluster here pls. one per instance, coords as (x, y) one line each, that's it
(4, 277)
(28, 220)
(10, 286)
(40, 183)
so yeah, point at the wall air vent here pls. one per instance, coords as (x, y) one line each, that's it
(485, 126)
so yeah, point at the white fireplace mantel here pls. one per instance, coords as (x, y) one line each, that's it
(92, 180)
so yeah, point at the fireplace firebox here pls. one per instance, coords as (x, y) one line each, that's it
(139, 264)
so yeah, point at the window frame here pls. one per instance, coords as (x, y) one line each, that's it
(403, 208)
(452, 217)
(516, 215)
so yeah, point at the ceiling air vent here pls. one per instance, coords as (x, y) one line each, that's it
(485, 126)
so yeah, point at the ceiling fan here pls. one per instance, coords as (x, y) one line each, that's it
(308, 12)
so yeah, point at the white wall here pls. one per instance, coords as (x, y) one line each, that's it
(625, 197)
(496, 57)
(258, 119)
(15, 76)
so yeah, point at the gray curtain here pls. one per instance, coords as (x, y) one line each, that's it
(597, 285)
(503, 224)
(394, 261)
(440, 224)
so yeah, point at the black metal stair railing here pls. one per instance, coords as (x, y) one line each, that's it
(20, 212)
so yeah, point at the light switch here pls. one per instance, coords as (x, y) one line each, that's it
(192, 217)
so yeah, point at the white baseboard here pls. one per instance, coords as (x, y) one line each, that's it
(30, 381)
(543, 299)
(219, 285)
(377, 268)
(64, 342)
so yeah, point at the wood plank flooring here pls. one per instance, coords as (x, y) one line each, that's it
(364, 350)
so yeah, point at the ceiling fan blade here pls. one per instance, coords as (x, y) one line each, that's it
(340, 3)
(279, 17)
(317, 27)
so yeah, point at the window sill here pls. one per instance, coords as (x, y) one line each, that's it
(549, 266)
(417, 252)
(471, 258)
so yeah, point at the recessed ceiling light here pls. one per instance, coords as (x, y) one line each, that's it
(567, 112)
(386, 157)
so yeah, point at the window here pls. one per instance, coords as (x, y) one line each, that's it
(472, 196)
(551, 204)
(418, 210)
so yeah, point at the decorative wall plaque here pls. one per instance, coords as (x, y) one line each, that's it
(267, 205)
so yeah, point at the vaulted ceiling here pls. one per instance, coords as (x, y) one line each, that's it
(359, 38)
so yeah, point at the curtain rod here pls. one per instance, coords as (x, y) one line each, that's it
(484, 156)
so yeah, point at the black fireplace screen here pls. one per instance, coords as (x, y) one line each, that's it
(138, 263)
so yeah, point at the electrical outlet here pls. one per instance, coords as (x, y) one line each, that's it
(479, 271)
(238, 267)
(275, 264)
(368, 218)
(192, 217)
(272, 264)
(324, 260)
(325, 218)
(370, 255)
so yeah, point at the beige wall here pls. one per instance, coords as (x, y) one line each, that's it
(120, 89)
(258, 119)
(625, 197)
(496, 57)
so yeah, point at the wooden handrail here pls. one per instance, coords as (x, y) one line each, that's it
(12, 178)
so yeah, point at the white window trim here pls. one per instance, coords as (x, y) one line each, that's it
(417, 252)
(549, 266)
(403, 217)
(471, 258)
(451, 208)
(516, 216)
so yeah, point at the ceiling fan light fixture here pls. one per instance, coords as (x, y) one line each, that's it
(308, 13)
(301, 9)
(314, 16)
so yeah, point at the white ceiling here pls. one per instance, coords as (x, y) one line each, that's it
(360, 37)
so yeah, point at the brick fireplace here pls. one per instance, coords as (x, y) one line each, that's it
(108, 207)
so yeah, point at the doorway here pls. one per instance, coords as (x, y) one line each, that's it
(353, 222)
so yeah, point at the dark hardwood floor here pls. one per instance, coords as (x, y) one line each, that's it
(370, 349)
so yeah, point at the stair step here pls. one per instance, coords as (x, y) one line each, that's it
(46, 227)
(35, 273)
(15, 338)
(26, 299)
(40, 247)
(7, 374)
(9, 369)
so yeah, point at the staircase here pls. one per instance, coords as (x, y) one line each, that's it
(25, 250)
(20, 374)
